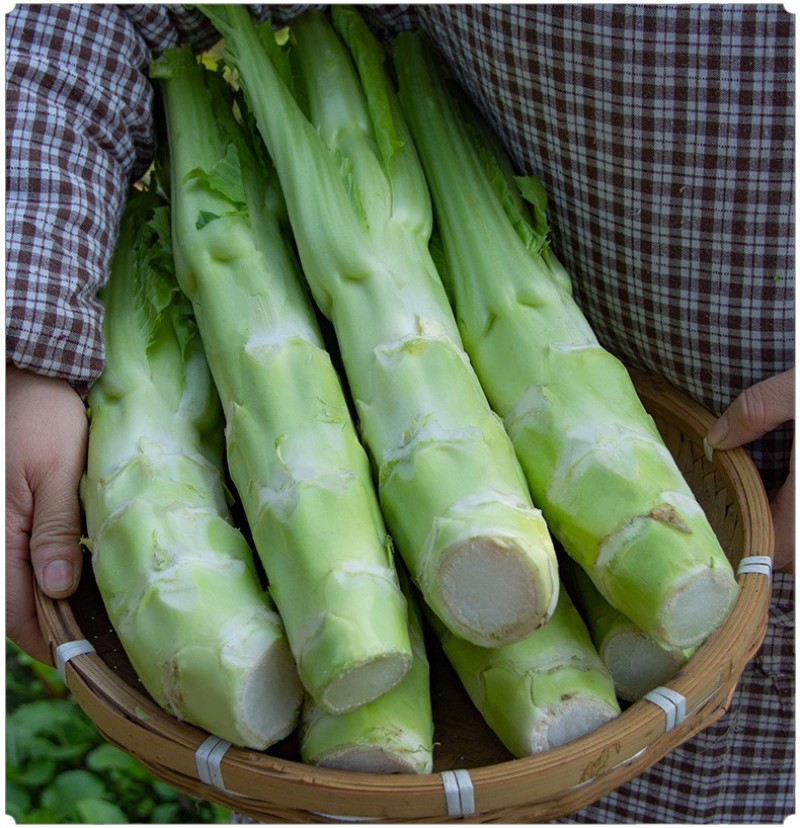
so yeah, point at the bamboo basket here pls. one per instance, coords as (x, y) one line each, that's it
(475, 779)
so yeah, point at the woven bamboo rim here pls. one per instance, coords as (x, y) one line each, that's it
(276, 787)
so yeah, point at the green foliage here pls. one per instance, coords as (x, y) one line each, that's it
(59, 769)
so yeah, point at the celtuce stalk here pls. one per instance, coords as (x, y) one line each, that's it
(541, 692)
(294, 456)
(393, 734)
(451, 489)
(637, 663)
(178, 580)
(595, 462)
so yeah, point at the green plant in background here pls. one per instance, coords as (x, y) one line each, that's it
(59, 769)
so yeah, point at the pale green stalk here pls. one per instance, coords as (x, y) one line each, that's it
(451, 489)
(294, 456)
(596, 465)
(637, 663)
(178, 580)
(393, 734)
(541, 692)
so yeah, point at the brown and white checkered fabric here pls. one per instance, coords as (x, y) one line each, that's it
(664, 135)
(665, 138)
(741, 769)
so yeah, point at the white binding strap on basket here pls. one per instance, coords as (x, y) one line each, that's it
(458, 792)
(208, 759)
(755, 565)
(67, 651)
(671, 702)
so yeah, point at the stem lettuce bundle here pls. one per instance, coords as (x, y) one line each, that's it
(451, 489)
(596, 465)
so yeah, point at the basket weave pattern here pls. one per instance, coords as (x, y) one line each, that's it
(475, 779)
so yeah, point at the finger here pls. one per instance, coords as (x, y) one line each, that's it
(55, 535)
(22, 624)
(760, 408)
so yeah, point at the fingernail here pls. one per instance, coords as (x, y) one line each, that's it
(709, 449)
(58, 576)
(717, 433)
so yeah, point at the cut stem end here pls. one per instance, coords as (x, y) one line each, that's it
(492, 593)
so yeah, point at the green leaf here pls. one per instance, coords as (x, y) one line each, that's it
(128, 794)
(205, 217)
(16, 812)
(47, 680)
(18, 799)
(94, 811)
(42, 816)
(224, 178)
(107, 757)
(171, 62)
(47, 749)
(533, 191)
(162, 228)
(51, 729)
(34, 774)
(369, 57)
(219, 813)
(164, 791)
(69, 787)
(165, 813)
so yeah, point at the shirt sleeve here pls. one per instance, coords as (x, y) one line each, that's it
(78, 127)
(79, 130)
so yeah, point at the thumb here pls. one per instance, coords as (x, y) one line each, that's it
(46, 438)
(55, 533)
(758, 409)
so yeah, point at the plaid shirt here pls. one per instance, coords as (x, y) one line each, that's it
(663, 134)
(741, 768)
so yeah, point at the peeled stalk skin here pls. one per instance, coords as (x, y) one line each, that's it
(303, 477)
(178, 580)
(393, 734)
(595, 463)
(450, 485)
(541, 692)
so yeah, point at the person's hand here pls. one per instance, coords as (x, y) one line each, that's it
(759, 409)
(46, 437)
